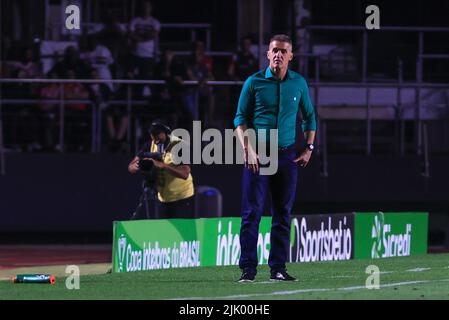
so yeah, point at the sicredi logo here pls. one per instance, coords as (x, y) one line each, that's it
(376, 234)
(386, 244)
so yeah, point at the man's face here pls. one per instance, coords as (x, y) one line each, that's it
(280, 54)
(159, 138)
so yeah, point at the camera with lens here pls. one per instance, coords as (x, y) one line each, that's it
(148, 165)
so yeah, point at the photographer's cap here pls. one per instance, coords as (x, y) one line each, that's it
(157, 126)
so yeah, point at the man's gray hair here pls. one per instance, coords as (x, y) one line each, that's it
(281, 38)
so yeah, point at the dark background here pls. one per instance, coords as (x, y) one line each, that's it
(82, 194)
(75, 197)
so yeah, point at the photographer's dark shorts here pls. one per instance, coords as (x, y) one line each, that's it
(180, 209)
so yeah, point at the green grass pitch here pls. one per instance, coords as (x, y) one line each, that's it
(418, 277)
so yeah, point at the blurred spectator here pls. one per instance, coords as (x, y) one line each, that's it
(72, 67)
(144, 37)
(303, 19)
(122, 89)
(22, 125)
(201, 97)
(117, 119)
(99, 58)
(110, 34)
(173, 70)
(99, 92)
(49, 113)
(116, 115)
(243, 63)
(199, 51)
(76, 113)
(27, 67)
(75, 91)
(72, 62)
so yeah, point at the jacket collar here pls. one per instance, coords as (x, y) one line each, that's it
(269, 74)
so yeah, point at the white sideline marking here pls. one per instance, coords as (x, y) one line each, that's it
(382, 272)
(418, 269)
(385, 285)
(289, 292)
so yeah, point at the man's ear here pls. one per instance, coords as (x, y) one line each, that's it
(291, 56)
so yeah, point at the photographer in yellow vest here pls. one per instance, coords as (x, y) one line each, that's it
(174, 183)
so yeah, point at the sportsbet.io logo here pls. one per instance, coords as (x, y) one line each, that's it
(121, 248)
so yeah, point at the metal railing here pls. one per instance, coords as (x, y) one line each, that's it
(192, 27)
(421, 137)
(209, 53)
(369, 86)
(419, 30)
(2, 149)
(96, 110)
(317, 61)
(421, 129)
(420, 63)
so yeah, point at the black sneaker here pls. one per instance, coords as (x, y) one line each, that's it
(247, 277)
(282, 276)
